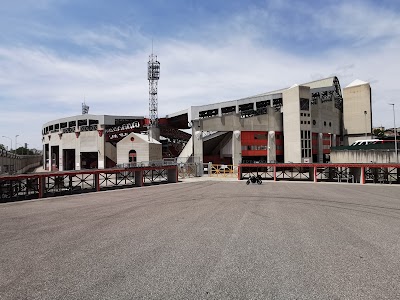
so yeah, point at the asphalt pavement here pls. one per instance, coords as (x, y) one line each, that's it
(205, 239)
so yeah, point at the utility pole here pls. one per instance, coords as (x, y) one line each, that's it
(365, 118)
(9, 166)
(395, 133)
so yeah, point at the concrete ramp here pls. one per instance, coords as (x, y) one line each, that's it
(187, 151)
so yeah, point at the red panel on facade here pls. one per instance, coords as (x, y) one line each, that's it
(279, 143)
(314, 143)
(254, 143)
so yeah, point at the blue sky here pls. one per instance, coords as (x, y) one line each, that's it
(53, 54)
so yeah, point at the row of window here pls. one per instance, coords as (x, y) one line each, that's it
(305, 134)
(305, 144)
(254, 147)
(62, 125)
(242, 108)
(304, 122)
(305, 115)
(259, 147)
(305, 153)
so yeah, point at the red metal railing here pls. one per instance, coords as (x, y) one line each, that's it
(356, 172)
(39, 185)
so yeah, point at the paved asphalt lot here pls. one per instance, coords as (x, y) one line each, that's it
(205, 240)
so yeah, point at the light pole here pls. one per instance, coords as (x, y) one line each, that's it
(395, 133)
(9, 139)
(365, 117)
(16, 143)
(9, 166)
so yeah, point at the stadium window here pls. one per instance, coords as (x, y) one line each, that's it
(82, 122)
(93, 122)
(262, 136)
(324, 123)
(304, 104)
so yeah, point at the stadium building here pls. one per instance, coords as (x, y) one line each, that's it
(298, 124)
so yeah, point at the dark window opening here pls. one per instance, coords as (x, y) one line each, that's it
(248, 106)
(93, 122)
(208, 113)
(265, 103)
(304, 104)
(82, 122)
(229, 109)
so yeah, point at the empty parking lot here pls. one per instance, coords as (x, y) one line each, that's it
(205, 240)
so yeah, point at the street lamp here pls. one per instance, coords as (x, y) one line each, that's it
(9, 139)
(395, 133)
(365, 117)
(9, 166)
(16, 143)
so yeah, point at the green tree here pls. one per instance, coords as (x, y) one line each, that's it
(379, 133)
(2, 147)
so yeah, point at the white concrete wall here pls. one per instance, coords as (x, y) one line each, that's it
(363, 156)
(145, 150)
(357, 99)
(291, 122)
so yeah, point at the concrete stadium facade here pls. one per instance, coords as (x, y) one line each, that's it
(299, 124)
(96, 141)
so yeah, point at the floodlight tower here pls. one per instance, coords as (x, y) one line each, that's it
(153, 74)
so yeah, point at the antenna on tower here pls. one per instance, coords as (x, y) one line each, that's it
(153, 75)
(85, 108)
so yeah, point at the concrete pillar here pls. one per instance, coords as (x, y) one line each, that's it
(139, 178)
(356, 172)
(320, 148)
(314, 169)
(271, 147)
(101, 159)
(362, 175)
(78, 151)
(236, 148)
(154, 133)
(198, 145)
(172, 175)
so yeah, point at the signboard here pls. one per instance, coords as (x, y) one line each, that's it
(118, 132)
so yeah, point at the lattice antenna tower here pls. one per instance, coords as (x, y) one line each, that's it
(153, 74)
(85, 108)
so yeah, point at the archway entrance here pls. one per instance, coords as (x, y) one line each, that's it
(132, 156)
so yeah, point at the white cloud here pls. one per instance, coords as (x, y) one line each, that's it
(48, 85)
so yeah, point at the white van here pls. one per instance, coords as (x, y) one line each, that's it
(365, 142)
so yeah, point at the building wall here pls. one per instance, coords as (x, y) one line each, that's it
(145, 150)
(231, 122)
(87, 141)
(357, 100)
(292, 126)
(363, 156)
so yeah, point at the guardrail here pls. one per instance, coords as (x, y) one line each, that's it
(11, 163)
(40, 185)
(356, 173)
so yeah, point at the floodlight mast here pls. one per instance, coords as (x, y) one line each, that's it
(153, 75)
